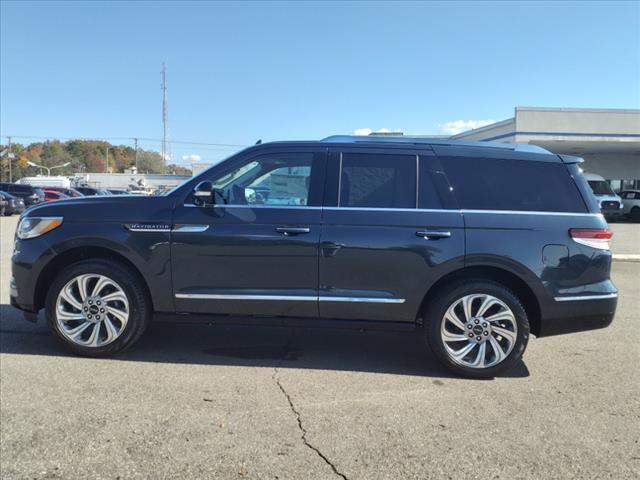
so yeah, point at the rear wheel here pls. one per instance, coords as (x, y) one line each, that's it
(97, 307)
(477, 328)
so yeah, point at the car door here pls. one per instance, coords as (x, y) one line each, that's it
(386, 236)
(255, 252)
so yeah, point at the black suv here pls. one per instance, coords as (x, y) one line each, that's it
(30, 194)
(478, 244)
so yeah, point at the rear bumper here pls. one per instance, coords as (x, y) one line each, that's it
(580, 313)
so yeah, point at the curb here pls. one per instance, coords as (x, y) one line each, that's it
(626, 257)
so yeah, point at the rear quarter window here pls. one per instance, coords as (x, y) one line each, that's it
(505, 184)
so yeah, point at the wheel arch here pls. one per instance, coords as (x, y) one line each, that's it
(77, 254)
(505, 277)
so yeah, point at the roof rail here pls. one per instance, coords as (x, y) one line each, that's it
(518, 147)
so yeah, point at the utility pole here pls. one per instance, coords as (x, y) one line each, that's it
(106, 162)
(9, 158)
(164, 116)
(135, 142)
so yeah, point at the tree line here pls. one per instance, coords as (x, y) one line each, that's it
(85, 156)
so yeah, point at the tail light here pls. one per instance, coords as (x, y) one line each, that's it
(592, 237)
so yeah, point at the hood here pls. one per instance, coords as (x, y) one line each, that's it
(107, 208)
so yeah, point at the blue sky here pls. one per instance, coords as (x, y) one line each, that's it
(242, 71)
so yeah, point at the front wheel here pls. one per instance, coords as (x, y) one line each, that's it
(97, 307)
(477, 328)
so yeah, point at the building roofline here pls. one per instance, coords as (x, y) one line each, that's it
(578, 110)
(491, 126)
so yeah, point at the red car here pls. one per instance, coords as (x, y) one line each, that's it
(53, 195)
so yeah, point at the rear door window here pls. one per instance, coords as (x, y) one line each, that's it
(377, 181)
(506, 184)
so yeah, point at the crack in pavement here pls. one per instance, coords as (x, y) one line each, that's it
(295, 411)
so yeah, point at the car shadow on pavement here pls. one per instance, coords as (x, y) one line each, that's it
(403, 353)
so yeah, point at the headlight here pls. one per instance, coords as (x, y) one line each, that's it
(31, 227)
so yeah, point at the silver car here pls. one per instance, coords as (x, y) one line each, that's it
(631, 202)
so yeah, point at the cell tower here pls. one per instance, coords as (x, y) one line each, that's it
(165, 149)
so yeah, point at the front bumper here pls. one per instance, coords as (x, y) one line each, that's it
(28, 260)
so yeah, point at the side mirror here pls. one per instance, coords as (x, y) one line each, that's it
(203, 193)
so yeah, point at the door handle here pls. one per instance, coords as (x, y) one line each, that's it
(293, 230)
(433, 234)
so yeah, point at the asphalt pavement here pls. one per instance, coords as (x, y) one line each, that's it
(282, 403)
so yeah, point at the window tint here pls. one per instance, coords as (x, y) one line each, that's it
(277, 179)
(378, 181)
(600, 187)
(503, 184)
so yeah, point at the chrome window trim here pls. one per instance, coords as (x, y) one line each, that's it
(339, 179)
(298, 298)
(417, 181)
(578, 298)
(422, 210)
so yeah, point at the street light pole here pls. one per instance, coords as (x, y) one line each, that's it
(48, 169)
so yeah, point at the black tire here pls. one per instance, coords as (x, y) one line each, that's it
(434, 317)
(634, 214)
(140, 310)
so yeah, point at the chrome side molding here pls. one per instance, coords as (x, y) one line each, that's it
(288, 298)
(190, 228)
(578, 298)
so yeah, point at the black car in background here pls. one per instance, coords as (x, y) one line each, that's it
(474, 245)
(90, 191)
(31, 195)
(14, 205)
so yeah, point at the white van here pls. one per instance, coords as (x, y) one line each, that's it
(610, 203)
(44, 182)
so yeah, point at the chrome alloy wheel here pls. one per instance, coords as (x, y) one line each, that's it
(92, 310)
(478, 331)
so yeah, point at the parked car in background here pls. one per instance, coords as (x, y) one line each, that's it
(476, 245)
(631, 201)
(30, 194)
(69, 192)
(15, 205)
(117, 191)
(610, 204)
(3, 205)
(90, 191)
(46, 181)
(53, 195)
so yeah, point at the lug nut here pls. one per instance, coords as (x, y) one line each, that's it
(102, 310)
(97, 317)
(471, 335)
(477, 321)
(86, 309)
(89, 316)
(478, 338)
(484, 324)
(90, 302)
(98, 302)
(486, 333)
(469, 326)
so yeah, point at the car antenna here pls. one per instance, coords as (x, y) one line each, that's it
(259, 142)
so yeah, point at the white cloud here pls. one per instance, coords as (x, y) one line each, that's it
(191, 158)
(459, 126)
(368, 131)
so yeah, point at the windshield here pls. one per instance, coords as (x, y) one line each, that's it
(600, 187)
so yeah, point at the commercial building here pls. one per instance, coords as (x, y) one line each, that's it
(607, 139)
